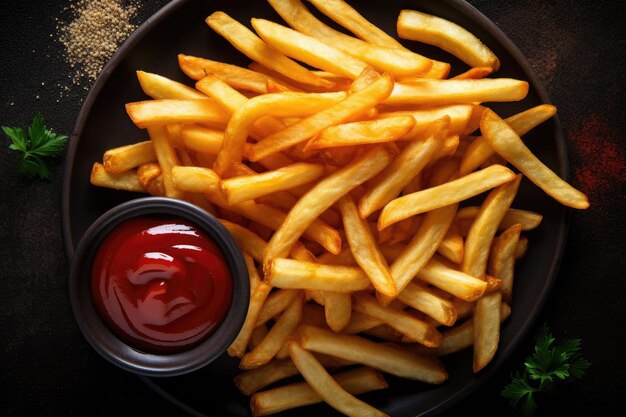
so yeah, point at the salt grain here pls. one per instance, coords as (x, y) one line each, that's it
(97, 28)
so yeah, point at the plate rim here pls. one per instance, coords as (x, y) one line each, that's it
(473, 14)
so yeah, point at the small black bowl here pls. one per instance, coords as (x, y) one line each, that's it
(110, 346)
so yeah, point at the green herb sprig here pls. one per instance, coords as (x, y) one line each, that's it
(35, 147)
(548, 364)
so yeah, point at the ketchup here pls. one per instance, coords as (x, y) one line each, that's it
(160, 284)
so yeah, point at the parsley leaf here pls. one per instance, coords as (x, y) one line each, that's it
(548, 364)
(35, 147)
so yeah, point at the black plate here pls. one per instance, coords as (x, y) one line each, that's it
(179, 28)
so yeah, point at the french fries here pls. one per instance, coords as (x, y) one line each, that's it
(345, 186)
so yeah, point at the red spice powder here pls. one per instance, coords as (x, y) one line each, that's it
(602, 162)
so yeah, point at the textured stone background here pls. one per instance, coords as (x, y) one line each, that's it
(46, 367)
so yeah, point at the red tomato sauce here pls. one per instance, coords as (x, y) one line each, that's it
(160, 284)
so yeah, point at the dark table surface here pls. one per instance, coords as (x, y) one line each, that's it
(576, 48)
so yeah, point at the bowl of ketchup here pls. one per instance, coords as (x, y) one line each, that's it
(159, 287)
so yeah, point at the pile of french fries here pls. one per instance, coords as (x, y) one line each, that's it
(342, 187)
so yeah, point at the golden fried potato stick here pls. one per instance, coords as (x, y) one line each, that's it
(281, 105)
(321, 197)
(309, 50)
(168, 160)
(452, 247)
(355, 105)
(502, 258)
(440, 92)
(127, 157)
(126, 180)
(159, 87)
(508, 144)
(162, 112)
(249, 187)
(480, 150)
(337, 309)
(290, 273)
(326, 387)
(356, 381)
(422, 299)
(450, 37)
(486, 329)
(253, 274)
(384, 357)
(237, 77)
(278, 334)
(349, 18)
(405, 166)
(522, 247)
(461, 285)
(363, 132)
(459, 115)
(250, 45)
(257, 336)
(402, 322)
(398, 62)
(364, 248)
(474, 73)
(445, 194)
(257, 299)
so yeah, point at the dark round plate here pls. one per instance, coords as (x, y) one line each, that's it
(179, 28)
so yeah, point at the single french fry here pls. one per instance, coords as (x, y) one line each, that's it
(275, 304)
(127, 157)
(166, 155)
(362, 133)
(405, 166)
(162, 112)
(159, 87)
(450, 37)
(126, 180)
(257, 299)
(290, 273)
(360, 322)
(483, 230)
(398, 62)
(326, 387)
(351, 107)
(242, 188)
(459, 115)
(439, 92)
(337, 309)
(364, 248)
(253, 274)
(457, 283)
(356, 381)
(386, 358)
(250, 45)
(308, 49)
(486, 329)
(422, 299)
(282, 105)
(258, 334)
(445, 194)
(237, 77)
(480, 150)
(321, 197)
(502, 258)
(459, 337)
(474, 73)
(508, 144)
(398, 320)
(278, 334)
(151, 178)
